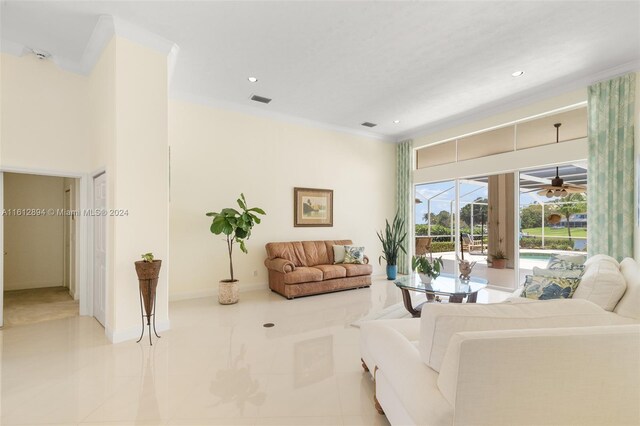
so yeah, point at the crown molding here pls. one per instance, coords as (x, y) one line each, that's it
(559, 87)
(287, 118)
(105, 29)
(102, 34)
(12, 48)
(141, 36)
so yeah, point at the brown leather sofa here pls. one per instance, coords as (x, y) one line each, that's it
(302, 268)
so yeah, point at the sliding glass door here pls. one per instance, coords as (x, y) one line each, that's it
(471, 219)
(552, 222)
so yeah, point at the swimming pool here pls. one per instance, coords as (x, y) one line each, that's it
(536, 256)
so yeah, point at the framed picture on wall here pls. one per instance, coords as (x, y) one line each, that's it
(312, 207)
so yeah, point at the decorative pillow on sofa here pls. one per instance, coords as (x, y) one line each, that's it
(603, 284)
(546, 288)
(561, 273)
(353, 254)
(566, 262)
(338, 254)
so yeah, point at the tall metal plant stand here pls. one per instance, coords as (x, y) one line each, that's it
(148, 273)
(149, 302)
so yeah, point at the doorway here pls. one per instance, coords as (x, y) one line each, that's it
(469, 219)
(40, 228)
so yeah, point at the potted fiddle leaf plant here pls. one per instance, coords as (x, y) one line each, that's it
(427, 269)
(236, 226)
(392, 239)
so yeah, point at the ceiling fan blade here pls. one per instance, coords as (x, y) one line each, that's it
(575, 189)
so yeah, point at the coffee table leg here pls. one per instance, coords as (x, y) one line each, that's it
(472, 297)
(406, 298)
(455, 298)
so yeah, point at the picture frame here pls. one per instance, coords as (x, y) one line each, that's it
(312, 207)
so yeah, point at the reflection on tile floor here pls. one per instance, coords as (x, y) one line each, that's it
(217, 365)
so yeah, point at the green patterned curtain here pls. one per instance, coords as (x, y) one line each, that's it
(611, 167)
(404, 166)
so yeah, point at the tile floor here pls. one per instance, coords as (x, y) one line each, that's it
(217, 365)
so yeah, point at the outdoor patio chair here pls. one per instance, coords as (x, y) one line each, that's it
(423, 246)
(470, 244)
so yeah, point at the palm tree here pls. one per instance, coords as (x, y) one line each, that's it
(578, 204)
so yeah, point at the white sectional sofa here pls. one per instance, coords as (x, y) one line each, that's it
(521, 362)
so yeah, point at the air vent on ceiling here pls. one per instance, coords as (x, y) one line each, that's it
(260, 99)
(367, 124)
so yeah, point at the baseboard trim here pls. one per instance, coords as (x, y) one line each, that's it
(133, 333)
(213, 292)
(32, 285)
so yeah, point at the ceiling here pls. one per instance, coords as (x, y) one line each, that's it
(343, 63)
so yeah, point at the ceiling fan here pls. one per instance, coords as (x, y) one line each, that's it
(558, 188)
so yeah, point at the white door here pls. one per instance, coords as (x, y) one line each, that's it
(99, 248)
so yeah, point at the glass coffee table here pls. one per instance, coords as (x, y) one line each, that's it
(448, 285)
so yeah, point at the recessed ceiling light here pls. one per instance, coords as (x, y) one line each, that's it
(396, 121)
(252, 79)
(517, 73)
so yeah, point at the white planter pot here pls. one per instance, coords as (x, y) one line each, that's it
(426, 279)
(228, 292)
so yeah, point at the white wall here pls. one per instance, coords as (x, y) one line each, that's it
(33, 244)
(113, 120)
(70, 237)
(102, 108)
(138, 181)
(217, 154)
(46, 119)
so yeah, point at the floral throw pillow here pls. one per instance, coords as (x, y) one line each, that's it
(353, 254)
(562, 273)
(547, 288)
(565, 263)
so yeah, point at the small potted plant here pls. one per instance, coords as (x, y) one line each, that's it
(498, 259)
(392, 239)
(427, 269)
(236, 227)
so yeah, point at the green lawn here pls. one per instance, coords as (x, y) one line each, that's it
(556, 232)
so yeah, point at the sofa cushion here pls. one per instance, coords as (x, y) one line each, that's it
(629, 304)
(407, 389)
(601, 258)
(338, 254)
(441, 321)
(332, 271)
(354, 270)
(316, 253)
(562, 273)
(408, 327)
(303, 274)
(293, 251)
(354, 254)
(603, 284)
(544, 287)
(331, 243)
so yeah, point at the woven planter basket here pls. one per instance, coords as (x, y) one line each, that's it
(148, 273)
